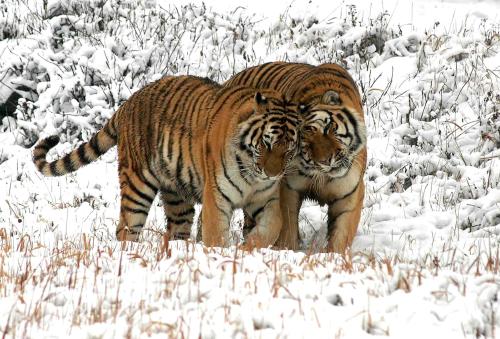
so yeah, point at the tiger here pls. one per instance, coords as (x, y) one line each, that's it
(332, 161)
(194, 141)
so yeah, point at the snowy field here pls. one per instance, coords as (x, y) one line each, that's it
(426, 259)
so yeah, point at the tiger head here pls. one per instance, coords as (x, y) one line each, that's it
(269, 136)
(331, 137)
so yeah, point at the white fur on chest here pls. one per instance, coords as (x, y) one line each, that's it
(324, 188)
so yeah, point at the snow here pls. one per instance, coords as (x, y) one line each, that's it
(425, 260)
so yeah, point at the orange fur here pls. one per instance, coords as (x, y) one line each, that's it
(191, 140)
(329, 91)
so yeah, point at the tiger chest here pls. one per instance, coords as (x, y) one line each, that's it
(324, 188)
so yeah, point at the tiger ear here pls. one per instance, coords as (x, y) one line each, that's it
(260, 102)
(260, 99)
(331, 98)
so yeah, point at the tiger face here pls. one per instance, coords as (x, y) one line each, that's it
(331, 137)
(270, 137)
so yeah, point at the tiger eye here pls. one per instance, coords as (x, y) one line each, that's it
(310, 129)
(334, 126)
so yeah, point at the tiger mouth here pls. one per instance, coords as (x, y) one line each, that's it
(338, 169)
(261, 174)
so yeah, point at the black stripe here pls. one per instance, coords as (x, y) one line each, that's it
(94, 144)
(163, 167)
(160, 103)
(239, 162)
(149, 184)
(254, 133)
(228, 217)
(190, 178)
(137, 191)
(174, 202)
(196, 173)
(183, 214)
(107, 131)
(177, 87)
(260, 209)
(166, 101)
(170, 144)
(260, 190)
(168, 190)
(160, 141)
(267, 74)
(344, 75)
(331, 202)
(137, 202)
(353, 122)
(181, 184)
(131, 229)
(248, 223)
(172, 220)
(276, 117)
(193, 104)
(180, 88)
(82, 155)
(244, 80)
(185, 233)
(304, 174)
(241, 97)
(39, 157)
(223, 97)
(194, 109)
(151, 172)
(257, 212)
(134, 210)
(335, 74)
(288, 77)
(248, 227)
(228, 178)
(244, 147)
(68, 164)
(149, 127)
(331, 224)
(277, 77)
(181, 235)
(110, 130)
(223, 194)
(53, 168)
(43, 146)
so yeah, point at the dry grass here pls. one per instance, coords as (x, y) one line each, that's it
(172, 287)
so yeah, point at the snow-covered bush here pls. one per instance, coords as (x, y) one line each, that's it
(431, 93)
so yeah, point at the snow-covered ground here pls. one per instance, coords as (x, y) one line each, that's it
(426, 258)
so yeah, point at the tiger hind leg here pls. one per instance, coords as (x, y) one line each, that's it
(179, 215)
(137, 195)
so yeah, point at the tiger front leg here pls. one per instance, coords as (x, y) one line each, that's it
(290, 202)
(343, 220)
(216, 215)
(268, 223)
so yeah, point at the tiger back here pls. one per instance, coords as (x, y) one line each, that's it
(332, 159)
(175, 137)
